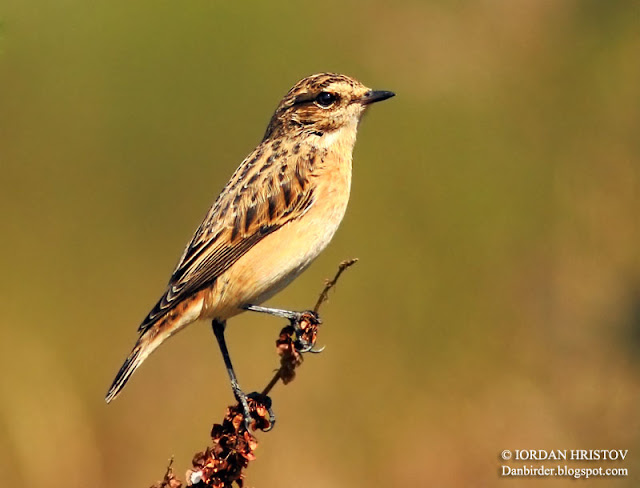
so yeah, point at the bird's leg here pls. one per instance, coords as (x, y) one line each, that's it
(218, 331)
(276, 312)
(298, 320)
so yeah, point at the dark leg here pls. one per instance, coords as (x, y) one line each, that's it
(218, 330)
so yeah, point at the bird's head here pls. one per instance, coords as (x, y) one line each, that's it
(321, 104)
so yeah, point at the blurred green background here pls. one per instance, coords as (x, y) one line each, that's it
(494, 210)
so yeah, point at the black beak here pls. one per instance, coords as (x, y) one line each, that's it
(373, 96)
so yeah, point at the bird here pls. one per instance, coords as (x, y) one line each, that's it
(277, 213)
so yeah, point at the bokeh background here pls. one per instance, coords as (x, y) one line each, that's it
(494, 210)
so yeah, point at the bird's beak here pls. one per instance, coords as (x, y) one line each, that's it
(373, 96)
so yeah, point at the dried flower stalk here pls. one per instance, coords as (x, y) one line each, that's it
(233, 446)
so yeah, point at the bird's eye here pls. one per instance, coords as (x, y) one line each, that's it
(325, 99)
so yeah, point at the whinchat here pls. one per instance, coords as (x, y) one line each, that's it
(278, 211)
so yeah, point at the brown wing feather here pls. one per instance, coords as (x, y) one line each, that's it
(264, 194)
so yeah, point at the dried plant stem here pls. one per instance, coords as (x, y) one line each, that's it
(324, 294)
(169, 480)
(223, 464)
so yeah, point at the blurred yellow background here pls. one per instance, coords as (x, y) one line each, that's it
(494, 210)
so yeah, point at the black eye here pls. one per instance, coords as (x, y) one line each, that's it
(325, 99)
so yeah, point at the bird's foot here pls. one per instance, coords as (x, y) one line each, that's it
(305, 325)
(256, 410)
(261, 412)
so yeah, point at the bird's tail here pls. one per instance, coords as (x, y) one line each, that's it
(146, 344)
(153, 334)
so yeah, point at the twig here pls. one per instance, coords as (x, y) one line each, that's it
(324, 295)
(169, 480)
